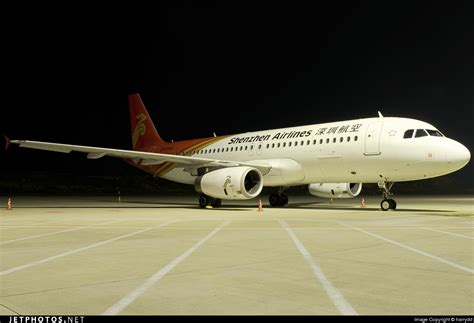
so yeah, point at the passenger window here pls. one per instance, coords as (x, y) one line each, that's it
(308, 142)
(420, 133)
(246, 147)
(278, 145)
(259, 146)
(348, 139)
(296, 143)
(241, 147)
(355, 138)
(302, 142)
(284, 144)
(227, 149)
(268, 146)
(327, 140)
(314, 142)
(289, 144)
(341, 139)
(408, 134)
(251, 147)
(320, 141)
(218, 150)
(333, 140)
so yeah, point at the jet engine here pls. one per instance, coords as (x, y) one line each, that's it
(231, 183)
(335, 190)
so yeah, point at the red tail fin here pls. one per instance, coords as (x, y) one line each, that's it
(143, 131)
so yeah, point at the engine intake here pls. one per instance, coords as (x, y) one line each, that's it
(231, 183)
(335, 190)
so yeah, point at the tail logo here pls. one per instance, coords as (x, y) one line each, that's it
(140, 128)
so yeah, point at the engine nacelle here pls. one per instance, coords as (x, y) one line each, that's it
(335, 190)
(231, 183)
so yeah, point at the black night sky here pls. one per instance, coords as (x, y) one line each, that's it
(229, 67)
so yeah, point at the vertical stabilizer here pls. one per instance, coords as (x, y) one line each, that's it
(144, 133)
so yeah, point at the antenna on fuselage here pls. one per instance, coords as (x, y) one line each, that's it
(214, 134)
(380, 114)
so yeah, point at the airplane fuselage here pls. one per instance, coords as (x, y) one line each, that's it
(362, 150)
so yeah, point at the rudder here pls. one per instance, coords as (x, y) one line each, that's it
(144, 133)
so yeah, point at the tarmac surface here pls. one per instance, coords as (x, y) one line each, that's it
(164, 255)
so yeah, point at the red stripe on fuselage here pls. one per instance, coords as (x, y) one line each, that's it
(174, 148)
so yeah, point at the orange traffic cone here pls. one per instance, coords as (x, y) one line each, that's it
(9, 204)
(260, 206)
(362, 203)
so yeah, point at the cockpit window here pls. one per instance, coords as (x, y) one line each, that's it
(420, 133)
(408, 134)
(434, 133)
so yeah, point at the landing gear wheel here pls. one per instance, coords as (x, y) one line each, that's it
(274, 200)
(278, 200)
(204, 200)
(385, 204)
(393, 204)
(216, 203)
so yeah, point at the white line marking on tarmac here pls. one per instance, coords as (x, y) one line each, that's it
(44, 222)
(450, 233)
(137, 292)
(334, 294)
(41, 235)
(38, 223)
(450, 263)
(57, 232)
(44, 260)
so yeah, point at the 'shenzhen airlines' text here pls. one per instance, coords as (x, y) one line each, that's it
(297, 134)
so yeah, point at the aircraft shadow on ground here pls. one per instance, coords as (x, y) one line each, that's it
(299, 206)
(226, 207)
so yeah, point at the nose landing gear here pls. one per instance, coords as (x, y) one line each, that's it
(387, 203)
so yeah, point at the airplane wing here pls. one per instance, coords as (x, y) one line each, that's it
(139, 157)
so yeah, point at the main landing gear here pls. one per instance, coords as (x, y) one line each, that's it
(205, 201)
(278, 199)
(387, 203)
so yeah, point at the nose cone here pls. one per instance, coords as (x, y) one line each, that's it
(458, 156)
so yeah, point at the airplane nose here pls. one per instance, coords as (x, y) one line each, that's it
(458, 156)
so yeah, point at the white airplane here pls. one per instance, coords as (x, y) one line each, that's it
(333, 159)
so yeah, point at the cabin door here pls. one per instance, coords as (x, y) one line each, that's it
(372, 138)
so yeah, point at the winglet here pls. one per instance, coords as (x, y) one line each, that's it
(7, 141)
(380, 114)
